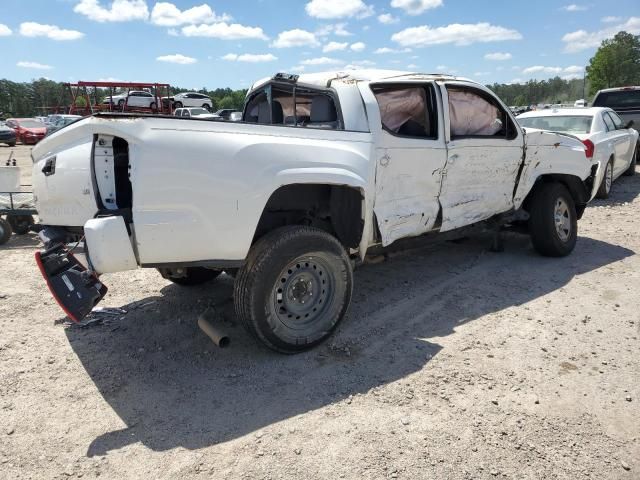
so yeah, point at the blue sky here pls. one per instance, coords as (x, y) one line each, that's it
(225, 43)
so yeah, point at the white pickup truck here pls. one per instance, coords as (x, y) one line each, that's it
(322, 168)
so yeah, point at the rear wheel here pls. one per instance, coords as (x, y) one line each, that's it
(12, 144)
(21, 224)
(152, 106)
(5, 231)
(189, 276)
(207, 107)
(294, 288)
(553, 222)
(177, 105)
(632, 168)
(607, 181)
(120, 103)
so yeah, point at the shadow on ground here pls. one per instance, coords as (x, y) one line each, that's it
(173, 388)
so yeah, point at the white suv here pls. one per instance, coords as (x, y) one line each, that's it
(189, 99)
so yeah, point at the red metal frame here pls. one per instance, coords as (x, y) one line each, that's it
(89, 91)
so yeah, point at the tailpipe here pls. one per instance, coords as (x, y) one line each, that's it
(217, 336)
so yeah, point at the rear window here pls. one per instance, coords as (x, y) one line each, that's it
(560, 123)
(624, 99)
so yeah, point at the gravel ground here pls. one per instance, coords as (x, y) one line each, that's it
(453, 363)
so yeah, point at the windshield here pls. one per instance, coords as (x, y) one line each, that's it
(199, 111)
(565, 123)
(31, 124)
(619, 100)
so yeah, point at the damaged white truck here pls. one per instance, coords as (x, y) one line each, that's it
(322, 169)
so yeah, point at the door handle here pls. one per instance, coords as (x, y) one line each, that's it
(49, 167)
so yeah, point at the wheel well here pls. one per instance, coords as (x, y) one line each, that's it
(337, 209)
(575, 185)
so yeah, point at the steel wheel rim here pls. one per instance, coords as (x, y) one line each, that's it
(609, 177)
(562, 219)
(303, 292)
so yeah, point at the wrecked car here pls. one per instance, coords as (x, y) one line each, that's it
(322, 169)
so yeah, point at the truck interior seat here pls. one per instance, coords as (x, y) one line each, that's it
(323, 113)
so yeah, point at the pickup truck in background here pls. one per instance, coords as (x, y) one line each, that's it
(625, 101)
(322, 169)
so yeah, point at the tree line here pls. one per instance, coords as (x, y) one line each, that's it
(43, 96)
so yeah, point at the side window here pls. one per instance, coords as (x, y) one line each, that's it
(474, 113)
(617, 121)
(185, 113)
(608, 122)
(407, 110)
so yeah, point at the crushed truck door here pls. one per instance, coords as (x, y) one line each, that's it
(410, 156)
(484, 155)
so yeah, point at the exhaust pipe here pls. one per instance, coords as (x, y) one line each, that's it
(218, 337)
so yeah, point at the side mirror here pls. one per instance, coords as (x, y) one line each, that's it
(629, 124)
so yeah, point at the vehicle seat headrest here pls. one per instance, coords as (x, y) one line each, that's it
(323, 110)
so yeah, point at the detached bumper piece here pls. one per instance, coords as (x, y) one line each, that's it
(76, 289)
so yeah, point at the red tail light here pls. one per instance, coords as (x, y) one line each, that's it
(589, 148)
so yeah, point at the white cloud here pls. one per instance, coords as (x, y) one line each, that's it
(173, 32)
(498, 56)
(456, 33)
(382, 50)
(36, 65)
(224, 31)
(481, 74)
(338, 9)
(516, 80)
(338, 29)
(4, 30)
(567, 73)
(167, 14)
(321, 61)
(359, 65)
(250, 57)
(611, 19)
(442, 67)
(412, 66)
(295, 38)
(575, 8)
(387, 19)
(118, 11)
(33, 29)
(334, 46)
(358, 46)
(297, 68)
(416, 7)
(177, 58)
(583, 40)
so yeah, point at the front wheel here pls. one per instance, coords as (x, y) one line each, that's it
(607, 182)
(152, 106)
(5, 231)
(189, 276)
(553, 222)
(177, 105)
(12, 144)
(207, 107)
(294, 288)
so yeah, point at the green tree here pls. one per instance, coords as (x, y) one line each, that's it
(616, 63)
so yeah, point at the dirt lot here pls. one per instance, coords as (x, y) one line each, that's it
(453, 363)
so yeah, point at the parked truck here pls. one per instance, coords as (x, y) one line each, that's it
(322, 169)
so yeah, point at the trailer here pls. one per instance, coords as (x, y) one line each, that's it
(17, 206)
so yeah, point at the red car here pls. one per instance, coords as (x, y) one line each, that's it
(28, 130)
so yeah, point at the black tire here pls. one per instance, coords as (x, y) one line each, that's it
(120, 103)
(5, 231)
(177, 105)
(21, 224)
(604, 190)
(545, 235)
(194, 276)
(152, 105)
(207, 107)
(283, 269)
(12, 144)
(629, 172)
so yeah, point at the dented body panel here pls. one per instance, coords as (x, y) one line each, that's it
(199, 188)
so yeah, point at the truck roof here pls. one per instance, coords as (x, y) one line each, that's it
(323, 79)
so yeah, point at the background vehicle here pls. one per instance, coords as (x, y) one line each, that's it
(624, 100)
(607, 140)
(235, 117)
(323, 169)
(225, 113)
(580, 103)
(7, 135)
(135, 98)
(189, 99)
(61, 121)
(28, 130)
(195, 112)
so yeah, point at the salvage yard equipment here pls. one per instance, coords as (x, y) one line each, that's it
(16, 204)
